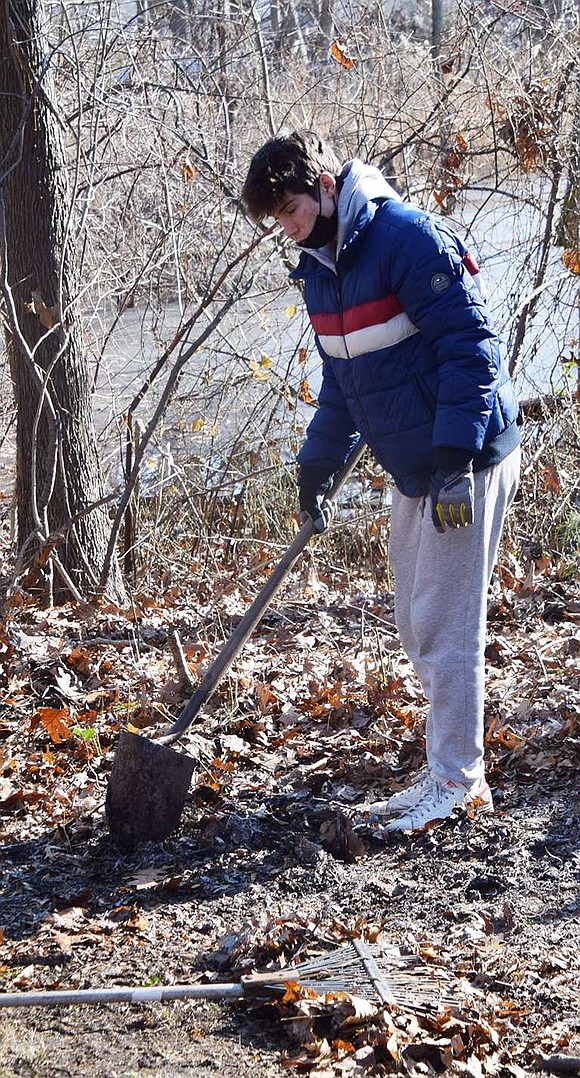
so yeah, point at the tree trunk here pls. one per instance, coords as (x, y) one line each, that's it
(57, 469)
(325, 27)
(436, 28)
(568, 233)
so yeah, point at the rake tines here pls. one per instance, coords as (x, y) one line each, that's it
(377, 972)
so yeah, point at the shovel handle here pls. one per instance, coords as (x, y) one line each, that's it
(248, 623)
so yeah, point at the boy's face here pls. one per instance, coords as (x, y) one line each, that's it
(297, 213)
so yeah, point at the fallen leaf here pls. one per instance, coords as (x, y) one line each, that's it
(54, 720)
(64, 682)
(551, 479)
(351, 1010)
(264, 696)
(10, 795)
(147, 877)
(78, 659)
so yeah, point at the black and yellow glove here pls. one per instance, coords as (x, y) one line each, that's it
(314, 483)
(452, 498)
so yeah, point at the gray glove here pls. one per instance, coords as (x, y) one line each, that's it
(452, 497)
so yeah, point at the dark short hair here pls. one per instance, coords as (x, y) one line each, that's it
(289, 163)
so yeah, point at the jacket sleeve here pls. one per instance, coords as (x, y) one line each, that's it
(430, 280)
(331, 433)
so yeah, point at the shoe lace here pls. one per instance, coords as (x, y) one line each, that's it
(422, 777)
(434, 793)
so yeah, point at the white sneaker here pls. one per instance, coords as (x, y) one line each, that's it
(404, 799)
(438, 801)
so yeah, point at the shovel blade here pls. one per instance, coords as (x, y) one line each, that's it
(147, 789)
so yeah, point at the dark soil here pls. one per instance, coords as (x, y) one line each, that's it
(272, 864)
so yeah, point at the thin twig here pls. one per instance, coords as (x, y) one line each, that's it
(186, 681)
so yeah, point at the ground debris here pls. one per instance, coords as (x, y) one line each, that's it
(273, 863)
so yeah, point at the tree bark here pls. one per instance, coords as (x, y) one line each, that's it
(57, 468)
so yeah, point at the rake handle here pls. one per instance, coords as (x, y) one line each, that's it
(252, 986)
(254, 612)
(121, 995)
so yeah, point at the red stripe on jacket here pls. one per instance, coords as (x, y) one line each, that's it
(470, 264)
(374, 313)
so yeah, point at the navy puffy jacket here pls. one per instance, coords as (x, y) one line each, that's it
(410, 361)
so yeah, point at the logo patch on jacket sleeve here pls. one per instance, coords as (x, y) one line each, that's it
(440, 282)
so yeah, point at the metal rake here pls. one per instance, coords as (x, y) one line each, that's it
(376, 972)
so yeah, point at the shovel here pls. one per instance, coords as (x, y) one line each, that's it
(149, 781)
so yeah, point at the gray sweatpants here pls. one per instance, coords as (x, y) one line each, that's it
(441, 588)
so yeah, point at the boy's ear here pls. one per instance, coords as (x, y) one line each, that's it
(327, 183)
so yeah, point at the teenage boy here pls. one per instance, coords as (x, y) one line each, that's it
(413, 366)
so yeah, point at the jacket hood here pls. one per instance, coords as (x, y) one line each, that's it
(362, 189)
